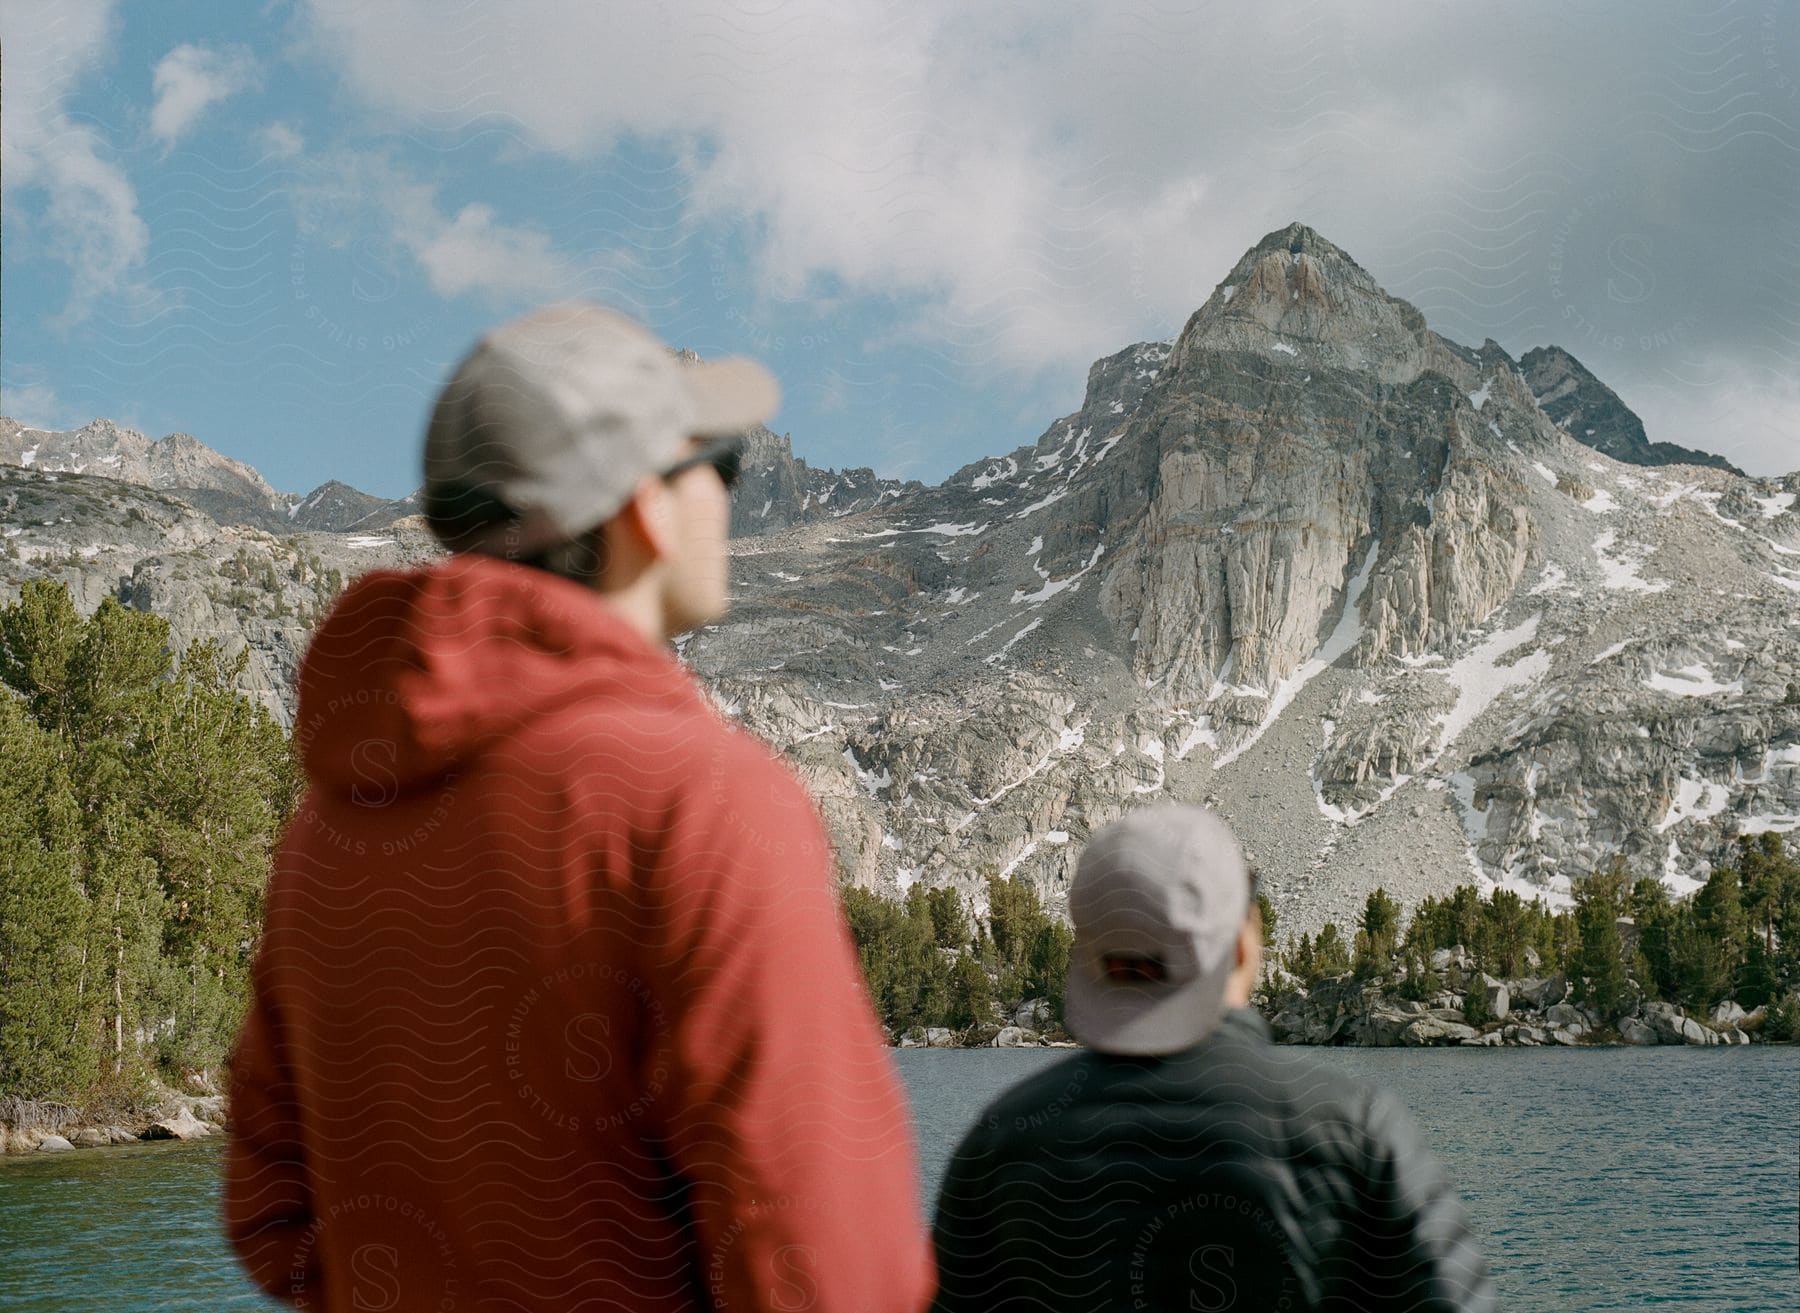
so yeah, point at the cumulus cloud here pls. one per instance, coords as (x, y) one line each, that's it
(35, 405)
(61, 177)
(281, 140)
(1041, 183)
(189, 80)
(369, 202)
(474, 252)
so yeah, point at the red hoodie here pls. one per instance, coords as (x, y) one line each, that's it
(554, 1007)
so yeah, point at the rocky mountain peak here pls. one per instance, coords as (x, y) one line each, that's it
(1295, 290)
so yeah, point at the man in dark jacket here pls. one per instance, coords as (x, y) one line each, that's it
(1186, 1162)
(554, 1007)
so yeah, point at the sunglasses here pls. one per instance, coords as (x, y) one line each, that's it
(726, 455)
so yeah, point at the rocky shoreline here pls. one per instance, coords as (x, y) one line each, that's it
(1519, 1012)
(43, 1127)
(1524, 1012)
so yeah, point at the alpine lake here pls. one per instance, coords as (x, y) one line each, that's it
(1598, 1179)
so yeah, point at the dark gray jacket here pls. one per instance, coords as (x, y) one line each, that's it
(1236, 1175)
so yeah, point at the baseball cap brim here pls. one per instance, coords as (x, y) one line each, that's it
(730, 396)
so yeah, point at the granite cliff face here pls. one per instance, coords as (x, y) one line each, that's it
(1347, 580)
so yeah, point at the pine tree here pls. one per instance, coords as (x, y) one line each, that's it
(1505, 937)
(1330, 956)
(219, 782)
(949, 922)
(1597, 970)
(971, 994)
(46, 1041)
(1766, 871)
(1375, 940)
(38, 637)
(1719, 918)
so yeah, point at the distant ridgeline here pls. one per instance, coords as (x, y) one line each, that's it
(139, 803)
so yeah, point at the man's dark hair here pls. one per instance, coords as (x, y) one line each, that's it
(469, 518)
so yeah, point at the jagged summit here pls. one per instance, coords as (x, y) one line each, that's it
(1295, 291)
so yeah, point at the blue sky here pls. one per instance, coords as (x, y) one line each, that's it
(277, 227)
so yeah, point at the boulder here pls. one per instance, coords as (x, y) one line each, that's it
(53, 1144)
(90, 1137)
(209, 1109)
(1728, 1013)
(1382, 1027)
(120, 1135)
(1524, 990)
(1634, 1031)
(1016, 1037)
(1444, 959)
(981, 1036)
(1452, 1015)
(1533, 959)
(1733, 1035)
(1567, 1014)
(1288, 1027)
(1490, 1040)
(1526, 1035)
(1446, 999)
(1499, 999)
(1692, 1032)
(1430, 1030)
(1672, 1026)
(939, 1037)
(182, 1126)
(1556, 989)
(1567, 1037)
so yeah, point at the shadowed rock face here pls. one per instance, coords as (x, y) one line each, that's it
(1592, 413)
(1345, 579)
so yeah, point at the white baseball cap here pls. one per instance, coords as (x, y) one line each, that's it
(1158, 902)
(548, 424)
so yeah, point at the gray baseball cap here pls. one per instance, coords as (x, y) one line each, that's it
(548, 424)
(1158, 901)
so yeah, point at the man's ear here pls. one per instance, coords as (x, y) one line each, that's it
(649, 517)
(1249, 934)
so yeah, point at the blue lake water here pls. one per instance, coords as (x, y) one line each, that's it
(1598, 1178)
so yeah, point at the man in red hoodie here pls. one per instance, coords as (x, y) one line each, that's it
(553, 1006)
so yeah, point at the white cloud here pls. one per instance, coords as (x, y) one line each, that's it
(1045, 182)
(475, 253)
(282, 141)
(34, 405)
(89, 212)
(189, 80)
(370, 201)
